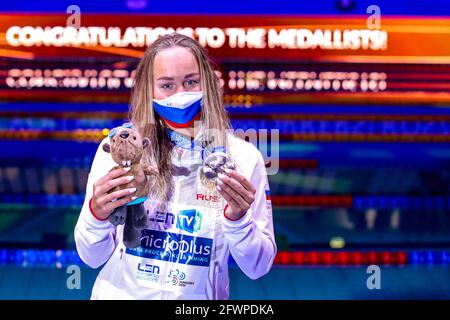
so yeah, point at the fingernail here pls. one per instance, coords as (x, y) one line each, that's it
(127, 169)
(131, 190)
(221, 175)
(219, 188)
(129, 178)
(133, 198)
(227, 170)
(219, 183)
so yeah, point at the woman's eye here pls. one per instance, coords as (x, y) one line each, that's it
(167, 86)
(190, 83)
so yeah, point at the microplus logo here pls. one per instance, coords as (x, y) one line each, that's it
(173, 247)
(189, 220)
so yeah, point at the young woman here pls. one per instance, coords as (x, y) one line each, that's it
(194, 223)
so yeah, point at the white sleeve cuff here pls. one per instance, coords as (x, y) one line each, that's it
(93, 222)
(233, 226)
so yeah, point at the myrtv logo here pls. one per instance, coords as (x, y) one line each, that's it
(189, 220)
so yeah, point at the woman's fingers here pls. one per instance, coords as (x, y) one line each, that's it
(241, 179)
(237, 187)
(236, 197)
(102, 203)
(111, 175)
(232, 202)
(237, 191)
(111, 184)
(116, 195)
(110, 206)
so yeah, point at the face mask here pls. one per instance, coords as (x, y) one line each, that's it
(181, 109)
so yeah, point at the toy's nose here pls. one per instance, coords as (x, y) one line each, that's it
(124, 135)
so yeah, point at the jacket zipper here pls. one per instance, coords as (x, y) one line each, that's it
(177, 183)
(175, 200)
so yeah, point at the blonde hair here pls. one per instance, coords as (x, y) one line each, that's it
(214, 118)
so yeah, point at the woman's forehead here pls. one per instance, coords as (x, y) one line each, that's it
(174, 62)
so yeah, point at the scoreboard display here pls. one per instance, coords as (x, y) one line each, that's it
(288, 59)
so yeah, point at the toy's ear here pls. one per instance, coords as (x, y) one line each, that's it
(145, 142)
(106, 148)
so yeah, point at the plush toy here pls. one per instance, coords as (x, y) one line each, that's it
(126, 147)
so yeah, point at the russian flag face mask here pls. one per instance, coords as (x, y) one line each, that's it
(181, 109)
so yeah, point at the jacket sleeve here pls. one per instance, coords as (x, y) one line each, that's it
(95, 239)
(251, 238)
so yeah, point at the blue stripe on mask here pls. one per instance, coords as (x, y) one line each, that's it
(178, 116)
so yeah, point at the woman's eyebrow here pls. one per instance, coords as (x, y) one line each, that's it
(186, 76)
(191, 75)
(165, 78)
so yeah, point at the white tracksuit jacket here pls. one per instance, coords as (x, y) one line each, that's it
(250, 240)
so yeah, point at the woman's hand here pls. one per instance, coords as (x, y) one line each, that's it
(103, 203)
(237, 191)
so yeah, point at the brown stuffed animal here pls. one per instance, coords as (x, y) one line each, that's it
(126, 150)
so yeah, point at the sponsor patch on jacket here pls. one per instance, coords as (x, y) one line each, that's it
(174, 247)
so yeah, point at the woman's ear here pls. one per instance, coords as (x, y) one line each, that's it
(106, 148)
(145, 142)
